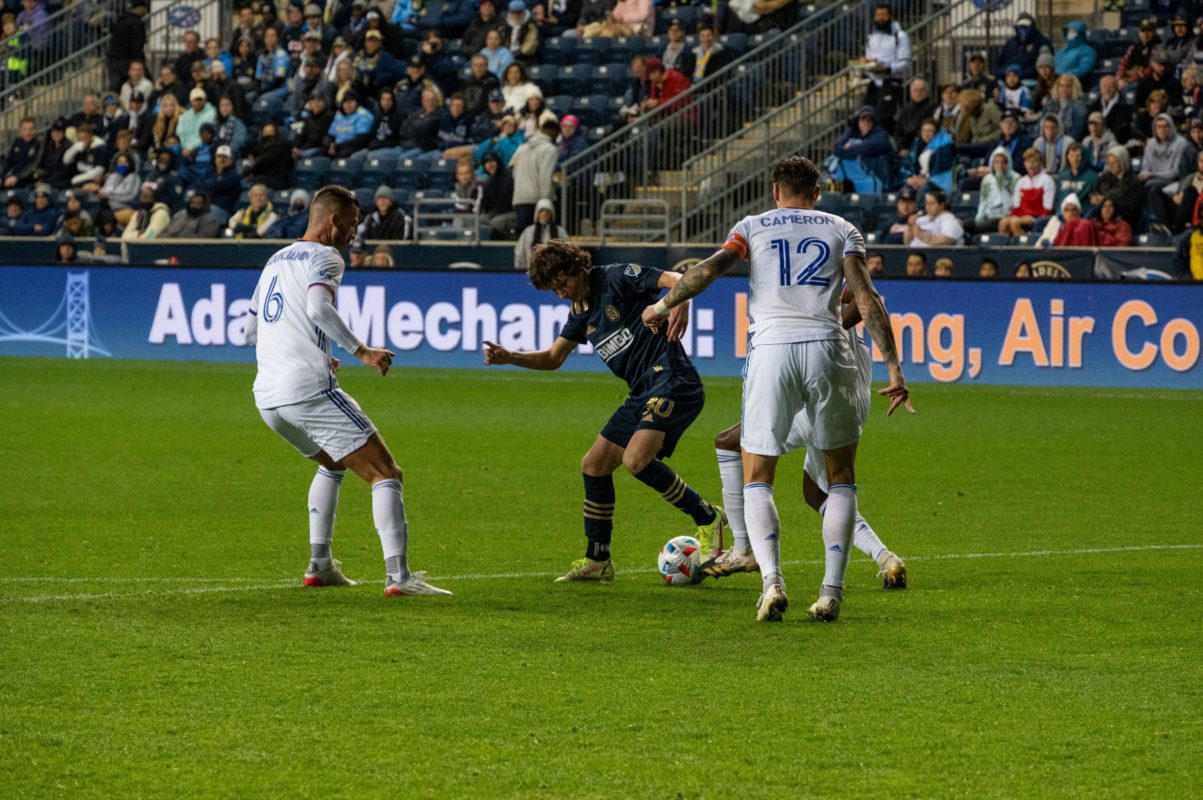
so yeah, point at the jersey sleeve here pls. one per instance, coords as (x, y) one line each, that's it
(326, 269)
(636, 280)
(854, 243)
(574, 328)
(739, 239)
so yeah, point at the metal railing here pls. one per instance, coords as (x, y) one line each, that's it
(54, 44)
(65, 83)
(730, 179)
(644, 221)
(437, 219)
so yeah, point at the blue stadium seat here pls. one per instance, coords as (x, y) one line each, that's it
(687, 14)
(405, 176)
(992, 239)
(735, 43)
(267, 109)
(622, 48)
(310, 172)
(560, 103)
(592, 51)
(366, 198)
(654, 46)
(1129, 94)
(244, 199)
(613, 105)
(590, 109)
(1134, 11)
(1118, 42)
(831, 202)
(544, 75)
(599, 132)
(440, 175)
(344, 172)
(557, 50)
(573, 79)
(805, 11)
(1154, 240)
(377, 171)
(609, 79)
(280, 198)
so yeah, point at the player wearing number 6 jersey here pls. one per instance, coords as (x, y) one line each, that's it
(291, 325)
(800, 362)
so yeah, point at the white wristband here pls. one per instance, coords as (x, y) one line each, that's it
(661, 307)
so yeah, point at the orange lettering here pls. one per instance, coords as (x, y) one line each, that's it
(1023, 336)
(1180, 362)
(1119, 335)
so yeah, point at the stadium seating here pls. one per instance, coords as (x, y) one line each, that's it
(311, 172)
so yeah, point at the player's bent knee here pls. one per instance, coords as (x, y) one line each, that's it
(637, 462)
(728, 439)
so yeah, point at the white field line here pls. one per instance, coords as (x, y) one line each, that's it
(220, 585)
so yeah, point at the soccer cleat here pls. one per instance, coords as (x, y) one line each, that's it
(772, 604)
(330, 576)
(586, 569)
(711, 536)
(730, 562)
(827, 607)
(892, 572)
(414, 584)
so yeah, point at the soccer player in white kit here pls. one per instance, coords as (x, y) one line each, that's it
(292, 324)
(799, 362)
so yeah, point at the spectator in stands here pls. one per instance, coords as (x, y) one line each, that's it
(439, 65)
(893, 230)
(314, 24)
(404, 16)
(1013, 94)
(919, 106)
(247, 27)
(1077, 177)
(1135, 62)
(542, 231)
(1098, 140)
(103, 129)
(591, 11)
(223, 184)
(517, 87)
(1051, 142)
(455, 123)
(200, 80)
(1117, 115)
(1192, 92)
(52, 167)
(497, 55)
(340, 52)
(708, 57)
(1023, 271)
(484, 126)
(376, 68)
(244, 63)
(273, 66)
(344, 81)
(123, 144)
(39, 219)
(199, 113)
(194, 222)
(294, 29)
(394, 37)
(864, 154)
(356, 21)
(997, 195)
(409, 89)
(976, 77)
(1142, 124)
(486, 20)
(91, 112)
(166, 121)
(13, 209)
(979, 124)
(292, 225)
(270, 162)
(571, 142)
(127, 42)
(636, 90)
(1023, 48)
(504, 144)
(198, 165)
(420, 130)
(677, 54)
(479, 85)
(662, 86)
(21, 161)
(1077, 57)
(930, 159)
(161, 172)
(253, 221)
(887, 54)
(88, 156)
(466, 188)
(136, 122)
(948, 112)
(1034, 196)
(1180, 43)
(182, 65)
(1160, 169)
(66, 251)
(1069, 107)
(222, 86)
(533, 167)
(497, 197)
(1189, 193)
(877, 265)
(388, 222)
(351, 129)
(1121, 186)
(944, 268)
(1071, 229)
(532, 117)
(214, 54)
(309, 81)
(120, 189)
(314, 127)
(937, 227)
(386, 133)
(554, 17)
(137, 82)
(916, 265)
(1159, 76)
(988, 268)
(523, 39)
(382, 257)
(1046, 78)
(1110, 229)
(151, 219)
(358, 254)
(230, 129)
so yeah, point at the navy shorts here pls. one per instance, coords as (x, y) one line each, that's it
(671, 413)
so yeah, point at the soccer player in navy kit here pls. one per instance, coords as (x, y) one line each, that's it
(666, 393)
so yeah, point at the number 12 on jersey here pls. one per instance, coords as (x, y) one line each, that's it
(806, 276)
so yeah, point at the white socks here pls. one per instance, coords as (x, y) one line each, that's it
(764, 530)
(323, 503)
(838, 520)
(731, 473)
(388, 511)
(864, 538)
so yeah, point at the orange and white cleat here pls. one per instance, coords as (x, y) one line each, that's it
(330, 576)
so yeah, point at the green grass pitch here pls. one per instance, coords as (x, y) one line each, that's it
(156, 640)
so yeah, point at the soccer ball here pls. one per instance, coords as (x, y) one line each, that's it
(680, 561)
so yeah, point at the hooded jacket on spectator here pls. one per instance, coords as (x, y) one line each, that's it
(538, 233)
(186, 226)
(533, 168)
(997, 194)
(874, 151)
(1054, 150)
(1077, 57)
(293, 224)
(1164, 159)
(1125, 189)
(979, 120)
(1023, 48)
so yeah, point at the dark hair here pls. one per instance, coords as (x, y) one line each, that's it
(989, 260)
(941, 198)
(922, 256)
(334, 198)
(886, 6)
(556, 259)
(551, 128)
(874, 254)
(796, 174)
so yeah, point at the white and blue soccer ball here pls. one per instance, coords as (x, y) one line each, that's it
(680, 561)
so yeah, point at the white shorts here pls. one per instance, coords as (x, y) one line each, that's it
(332, 422)
(804, 394)
(799, 433)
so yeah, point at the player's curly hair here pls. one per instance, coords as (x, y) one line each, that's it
(557, 259)
(798, 175)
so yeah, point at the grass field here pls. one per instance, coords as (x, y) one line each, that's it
(156, 640)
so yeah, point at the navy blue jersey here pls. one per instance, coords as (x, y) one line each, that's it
(611, 321)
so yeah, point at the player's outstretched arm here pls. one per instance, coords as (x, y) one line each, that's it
(691, 284)
(877, 323)
(550, 359)
(678, 318)
(319, 306)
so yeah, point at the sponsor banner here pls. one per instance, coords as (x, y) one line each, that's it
(204, 18)
(1021, 332)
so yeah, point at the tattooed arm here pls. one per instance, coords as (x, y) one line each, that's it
(877, 323)
(691, 284)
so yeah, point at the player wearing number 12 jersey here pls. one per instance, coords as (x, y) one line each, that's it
(800, 364)
(293, 321)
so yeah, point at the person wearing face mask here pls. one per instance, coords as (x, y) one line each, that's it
(887, 59)
(151, 219)
(194, 222)
(1023, 48)
(120, 189)
(1077, 57)
(293, 224)
(271, 162)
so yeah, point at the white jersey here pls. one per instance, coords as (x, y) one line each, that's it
(293, 353)
(797, 270)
